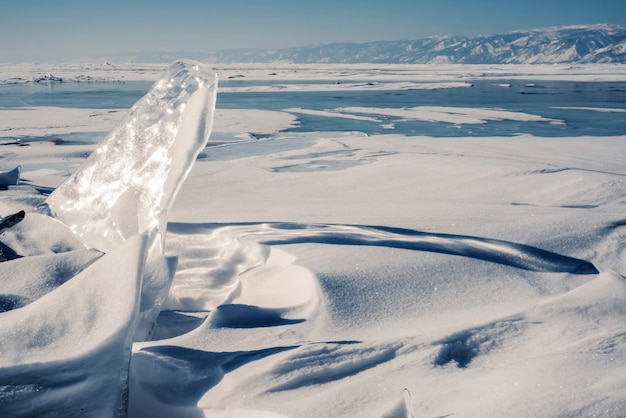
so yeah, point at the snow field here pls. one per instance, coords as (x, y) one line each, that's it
(336, 274)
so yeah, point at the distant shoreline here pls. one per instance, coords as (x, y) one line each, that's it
(18, 73)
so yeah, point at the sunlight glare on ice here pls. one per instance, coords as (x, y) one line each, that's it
(130, 182)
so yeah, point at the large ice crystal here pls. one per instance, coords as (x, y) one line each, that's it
(128, 184)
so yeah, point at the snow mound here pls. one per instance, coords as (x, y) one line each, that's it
(75, 340)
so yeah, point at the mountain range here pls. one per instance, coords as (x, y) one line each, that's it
(600, 43)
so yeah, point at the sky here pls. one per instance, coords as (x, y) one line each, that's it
(40, 30)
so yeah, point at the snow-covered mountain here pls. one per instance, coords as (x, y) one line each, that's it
(577, 44)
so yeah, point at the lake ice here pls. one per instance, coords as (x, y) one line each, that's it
(559, 108)
(325, 271)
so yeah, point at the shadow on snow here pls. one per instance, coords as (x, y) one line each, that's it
(496, 251)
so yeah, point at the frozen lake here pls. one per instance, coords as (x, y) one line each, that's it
(571, 108)
(308, 271)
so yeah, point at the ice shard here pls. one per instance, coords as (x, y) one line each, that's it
(11, 177)
(128, 184)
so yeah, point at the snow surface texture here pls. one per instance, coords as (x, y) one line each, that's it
(340, 274)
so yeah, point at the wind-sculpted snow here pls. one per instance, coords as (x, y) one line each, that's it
(170, 380)
(33, 277)
(215, 265)
(130, 181)
(507, 253)
(224, 375)
(67, 353)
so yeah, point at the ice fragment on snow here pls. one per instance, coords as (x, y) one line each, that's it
(10, 177)
(128, 184)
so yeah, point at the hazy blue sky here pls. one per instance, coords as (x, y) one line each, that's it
(33, 30)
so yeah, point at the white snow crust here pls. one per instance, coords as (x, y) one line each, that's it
(315, 274)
